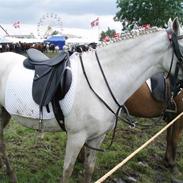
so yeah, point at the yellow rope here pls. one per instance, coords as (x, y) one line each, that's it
(103, 178)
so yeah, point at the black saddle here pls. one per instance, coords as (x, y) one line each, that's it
(162, 92)
(52, 78)
(158, 87)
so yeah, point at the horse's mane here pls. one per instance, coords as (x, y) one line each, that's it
(130, 35)
(134, 33)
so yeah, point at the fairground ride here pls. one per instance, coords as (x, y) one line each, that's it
(49, 24)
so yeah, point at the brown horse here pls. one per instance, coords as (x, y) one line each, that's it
(143, 104)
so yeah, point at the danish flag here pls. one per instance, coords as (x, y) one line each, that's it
(16, 24)
(95, 22)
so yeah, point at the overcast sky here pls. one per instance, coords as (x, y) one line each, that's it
(73, 13)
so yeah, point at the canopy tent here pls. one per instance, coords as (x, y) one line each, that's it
(56, 40)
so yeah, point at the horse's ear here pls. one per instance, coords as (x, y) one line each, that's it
(176, 26)
(170, 23)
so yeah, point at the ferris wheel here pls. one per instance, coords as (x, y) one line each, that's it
(48, 24)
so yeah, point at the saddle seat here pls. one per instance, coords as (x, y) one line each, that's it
(52, 78)
(36, 57)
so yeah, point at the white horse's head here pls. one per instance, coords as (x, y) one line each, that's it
(175, 62)
(174, 25)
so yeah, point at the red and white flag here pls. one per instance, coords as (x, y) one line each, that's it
(95, 22)
(16, 24)
(117, 36)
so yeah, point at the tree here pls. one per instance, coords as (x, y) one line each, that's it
(154, 12)
(110, 33)
(55, 32)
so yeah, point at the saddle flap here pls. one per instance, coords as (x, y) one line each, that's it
(66, 81)
(46, 82)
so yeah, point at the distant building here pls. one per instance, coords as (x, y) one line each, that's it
(23, 36)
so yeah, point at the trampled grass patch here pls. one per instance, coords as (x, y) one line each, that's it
(41, 160)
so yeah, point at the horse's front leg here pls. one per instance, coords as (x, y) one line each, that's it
(4, 119)
(74, 144)
(90, 158)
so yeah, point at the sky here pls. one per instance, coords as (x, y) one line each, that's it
(75, 15)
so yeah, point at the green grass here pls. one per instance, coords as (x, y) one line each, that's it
(41, 160)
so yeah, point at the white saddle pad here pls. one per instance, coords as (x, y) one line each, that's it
(18, 94)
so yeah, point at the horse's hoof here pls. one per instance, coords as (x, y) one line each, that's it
(176, 171)
(168, 165)
(13, 179)
(12, 175)
(176, 181)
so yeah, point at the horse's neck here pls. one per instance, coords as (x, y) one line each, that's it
(129, 64)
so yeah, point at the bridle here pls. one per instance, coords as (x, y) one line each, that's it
(173, 38)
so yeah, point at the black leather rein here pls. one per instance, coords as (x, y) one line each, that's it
(128, 120)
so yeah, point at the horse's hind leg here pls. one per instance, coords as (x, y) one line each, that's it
(4, 119)
(90, 158)
(169, 162)
(74, 144)
(173, 136)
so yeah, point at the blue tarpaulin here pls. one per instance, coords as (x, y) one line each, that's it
(57, 41)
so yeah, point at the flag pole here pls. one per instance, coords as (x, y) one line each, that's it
(4, 30)
(95, 24)
(98, 31)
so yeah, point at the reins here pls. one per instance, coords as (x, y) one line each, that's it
(103, 74)
(120, 107)
(127, 118)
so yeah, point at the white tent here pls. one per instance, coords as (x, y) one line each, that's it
(75, 41)
(80, 40)
(4, 40)
(24, 40)
(31, 40)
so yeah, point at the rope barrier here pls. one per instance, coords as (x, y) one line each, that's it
(103, 178)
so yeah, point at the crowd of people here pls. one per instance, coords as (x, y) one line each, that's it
(22, 47)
